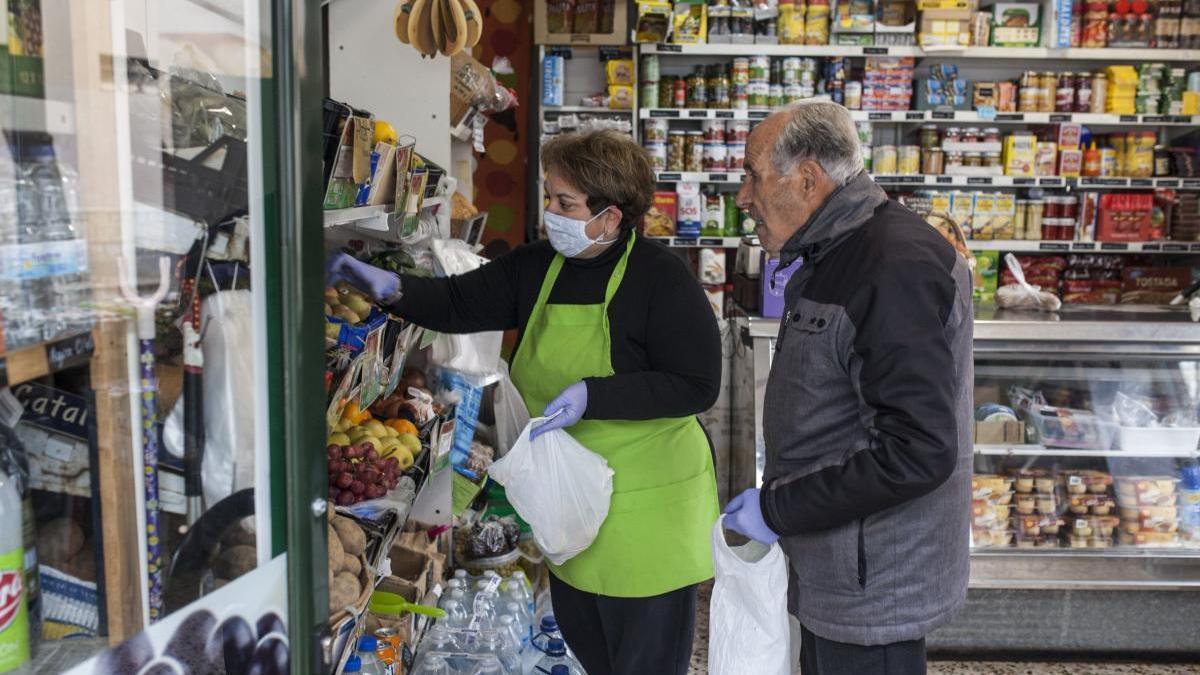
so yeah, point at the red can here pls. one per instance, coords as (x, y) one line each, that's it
(680, 97)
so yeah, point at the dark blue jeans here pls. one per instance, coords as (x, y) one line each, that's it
(819, 656)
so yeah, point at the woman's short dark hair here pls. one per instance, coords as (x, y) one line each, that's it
(608, 166)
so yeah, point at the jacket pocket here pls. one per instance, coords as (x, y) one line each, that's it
(827, 560)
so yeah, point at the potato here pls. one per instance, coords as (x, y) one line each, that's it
(235, 561)
(352, 565)
(354, 541)
(336, 552)
(344, 592)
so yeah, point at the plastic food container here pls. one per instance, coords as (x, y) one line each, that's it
(1149, 539)
(1034, 481)
(1150, 519)
(1068, 428)
(1084, 482)
(986, 514)
(1038, 524)
(990, 486)
(1158, 441)
(1146, 491)
(1098, 505)
(504, 565)
(992, 538)
(1026, 504)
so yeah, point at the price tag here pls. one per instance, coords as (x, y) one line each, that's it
(697, 113)
(1024, 181)
(664, 112)
(724, 114)
(1168, 183)
(718, 177)
(758, 114)
(1155, 119)
(988, 113)
(1190, 183)
(1129, 118)
(875, 51)
(1141, 182)
(914, 116)
(979, 180)
(1051, 246)
(881, 116)
(1081, 524)
(1084, 246)
(1175, 248)
(945, 180)
(674, 49)
(1111, 246)
(666, 177)
(1075, 480)
(710, 241)
(1196, 247)
(943, 115)
(1060, 118)
(1151, 247)
(1050, 181)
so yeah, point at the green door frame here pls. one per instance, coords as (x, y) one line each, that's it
(292, 164)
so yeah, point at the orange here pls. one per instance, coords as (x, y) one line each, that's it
(355, 414)
(402, 426)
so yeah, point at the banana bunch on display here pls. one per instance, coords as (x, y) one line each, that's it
(432, 26)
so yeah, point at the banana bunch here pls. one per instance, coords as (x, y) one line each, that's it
(432, 26)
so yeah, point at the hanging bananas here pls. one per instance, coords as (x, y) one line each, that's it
(432, 26)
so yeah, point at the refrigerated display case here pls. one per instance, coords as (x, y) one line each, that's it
(155, 233)
(1085, 469)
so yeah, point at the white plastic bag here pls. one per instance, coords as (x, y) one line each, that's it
(748, 630)
(511, 414)
(559, 487)
(228, 464)
(476, 353)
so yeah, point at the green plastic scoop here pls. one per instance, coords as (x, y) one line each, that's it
(383, 602)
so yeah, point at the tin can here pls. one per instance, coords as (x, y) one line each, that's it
(740, 71)
(760, 69)
(792, 93)
(853, 94)
(883, 160)
(666, 92)
(697, 89)
(654, 130)
(908, 160)
(680, 98)
(792, 66)
(735, 156)
(715, 157)
(758, 95)
(658, 156)
(693, 152)
(738, 97)
(713, 130)
(775, 96)
(650, 68)
(737, 131)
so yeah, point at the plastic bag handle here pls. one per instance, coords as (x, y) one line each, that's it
(1019, 274)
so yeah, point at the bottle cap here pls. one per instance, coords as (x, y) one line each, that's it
(367, 643)
(556, 647)
(549, 624)
(353, 665)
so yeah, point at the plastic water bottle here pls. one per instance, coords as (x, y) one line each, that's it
(371, 665)
(433, 665)
(353, 665)
(547, 630)
(521, 585)
(524, 621)
(14, 637)
(556, 656)
(491, 643)
(454, 604)
(462, 577)
(512, 634)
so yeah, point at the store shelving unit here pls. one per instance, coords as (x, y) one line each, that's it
(699, 242)
(734, 177)
(1022, 53)
(41, 359)
(924, 116)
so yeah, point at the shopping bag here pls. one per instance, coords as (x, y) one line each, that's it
(748, 619)
(510, 412)
(559, 487)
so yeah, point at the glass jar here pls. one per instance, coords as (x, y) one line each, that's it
(718, 88)
(991, 135)
(972, 159)
(697, 89)
(694, 151)
(971, 135)
(1070, 206)
(1019, 218)
(1034, 214)
(1162, 161)
(666, 91)
(929, 136)
(992, 159)
(932, 161)
(676, 150)
(1083, 93)
(1048, 92)
(1064, 99)
(954, 160)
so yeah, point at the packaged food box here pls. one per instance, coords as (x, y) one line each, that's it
(984, 486)
(985, 538)
(1029, 504)
(1148, 539)
(1020, 154)
(660, 219)
(1150, 519)
(1098, 505)
(1153, 285)
(1068, 136)
(1146, 491)
(1094, 526)
(1036, 541)
(1070, 163)
(1083, 482)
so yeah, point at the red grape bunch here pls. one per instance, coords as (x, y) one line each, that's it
(357, 473)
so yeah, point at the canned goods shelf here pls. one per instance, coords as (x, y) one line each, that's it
(1018, 246)
(920, 116)
(1023, 53)
(701, 242)
(961, 181)
(586, 109)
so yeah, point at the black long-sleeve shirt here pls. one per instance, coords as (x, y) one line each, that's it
(666, 350)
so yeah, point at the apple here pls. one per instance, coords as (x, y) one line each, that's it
(338, 438)
(410, 443)
(376, 429)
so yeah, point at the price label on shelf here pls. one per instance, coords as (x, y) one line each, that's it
(665, 47)
(1141, 182)
(875, 51)
(1024, 181)
(1168, 183)
(1083, 246)
(988, 113)
(1114, 246)
(1175, 248)
(1129, 118)
(945, 180)
(914, 115)
(724, 114)
(1081, 524)
(1050, 181)
(718, 177)
(979, 180)
(1075, 480)
(1193, 183)
(697, 113)
(1053, 246)
(1060, 118)
(661, 112)
(758, 114)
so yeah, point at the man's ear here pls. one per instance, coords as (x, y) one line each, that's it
(810, 174)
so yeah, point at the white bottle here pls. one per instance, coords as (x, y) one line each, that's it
(14, 621)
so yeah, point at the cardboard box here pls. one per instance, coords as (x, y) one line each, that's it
(1020, 154)
(618, 33)
(1016, 24)
(1153, 285)
(945, 27)
(999, 432)
(1069, 135)
(1070, 163)
(774, 281)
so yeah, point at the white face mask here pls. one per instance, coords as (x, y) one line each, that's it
(569, 236)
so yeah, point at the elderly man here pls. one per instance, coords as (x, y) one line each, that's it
(867, 417)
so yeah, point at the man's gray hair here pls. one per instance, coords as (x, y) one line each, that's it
(824, 132)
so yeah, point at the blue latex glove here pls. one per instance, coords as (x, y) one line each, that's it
(382, 285)
(744, 515)
(567, 409)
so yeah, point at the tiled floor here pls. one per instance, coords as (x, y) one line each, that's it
(700, 659)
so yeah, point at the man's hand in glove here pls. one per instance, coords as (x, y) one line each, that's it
(565, 410)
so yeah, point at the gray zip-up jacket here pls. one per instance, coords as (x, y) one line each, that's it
(868, 421)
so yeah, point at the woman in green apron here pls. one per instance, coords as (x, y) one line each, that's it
(616, 336)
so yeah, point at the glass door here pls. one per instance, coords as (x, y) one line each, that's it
(153, 474)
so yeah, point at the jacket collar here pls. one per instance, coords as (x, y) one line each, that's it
(846, 209)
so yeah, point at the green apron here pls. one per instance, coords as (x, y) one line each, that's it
(664, 503)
